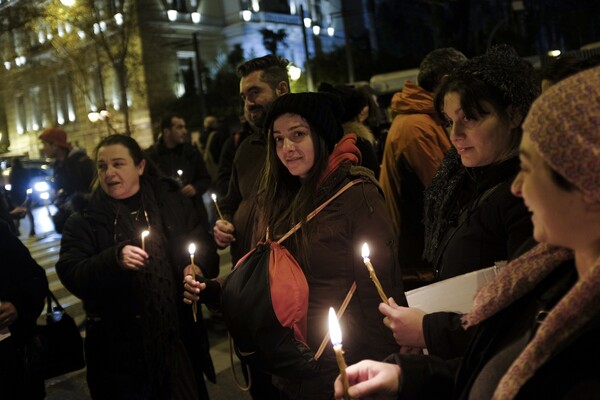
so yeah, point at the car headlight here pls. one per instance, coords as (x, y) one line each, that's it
(41, 186)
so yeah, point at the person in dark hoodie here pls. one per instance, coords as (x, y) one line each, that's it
(73, 172)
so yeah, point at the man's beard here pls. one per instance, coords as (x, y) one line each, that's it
(256, 123)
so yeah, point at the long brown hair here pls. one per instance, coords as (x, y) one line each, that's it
(284, 199)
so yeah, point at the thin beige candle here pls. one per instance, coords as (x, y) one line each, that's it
(214, 198)
(372, 274)
(144, 234)
(335, 333)
(192, 250)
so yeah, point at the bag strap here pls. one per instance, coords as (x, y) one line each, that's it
(339, 314)
(49, 298)
(320, 208)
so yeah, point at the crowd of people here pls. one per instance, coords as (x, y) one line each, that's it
(479, 166)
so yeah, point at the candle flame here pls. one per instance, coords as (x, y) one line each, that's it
(192, 248)
(145, 233)
(335, 333)
(179, 172)
(214, 197)
(365, 250)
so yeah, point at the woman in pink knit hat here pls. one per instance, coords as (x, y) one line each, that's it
(537, 325)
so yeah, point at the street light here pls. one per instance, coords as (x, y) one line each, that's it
(196, 18)
(303, 26)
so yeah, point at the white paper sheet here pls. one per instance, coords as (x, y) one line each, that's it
(454, 294)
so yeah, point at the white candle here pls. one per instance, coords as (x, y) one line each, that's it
(335, 334)
(144, 234)
(214, 198)
(372, 274)
(192, 250)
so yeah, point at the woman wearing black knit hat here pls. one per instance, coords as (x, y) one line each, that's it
(471, 218)
(308, 160)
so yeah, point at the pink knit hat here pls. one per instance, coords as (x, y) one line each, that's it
(564, 124)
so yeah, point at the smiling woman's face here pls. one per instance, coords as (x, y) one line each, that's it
(118, 175)
(294, 144)
(479, 141)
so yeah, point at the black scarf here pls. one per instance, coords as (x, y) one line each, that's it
(154, 286)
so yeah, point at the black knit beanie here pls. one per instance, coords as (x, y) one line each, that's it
(322, 110)
(502, 69)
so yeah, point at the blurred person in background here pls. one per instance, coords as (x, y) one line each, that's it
(20, 179)
(73, 172)
(414, 149)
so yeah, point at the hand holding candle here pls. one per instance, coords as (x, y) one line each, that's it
(335, 333)
(192, 250)
(372, 274)
(144, 234)
(214, 198)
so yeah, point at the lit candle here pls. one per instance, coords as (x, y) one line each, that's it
(144, 234)
(335, 333)
(372, 274)
(214, 198)
(192, 250)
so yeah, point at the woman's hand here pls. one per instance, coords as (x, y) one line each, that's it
(192, 289)
(406, 324)
(133, 257)
(8, 314)
(223, 232)
(370, 379)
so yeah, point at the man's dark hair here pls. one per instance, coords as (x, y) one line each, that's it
(167, 120)
(274, 69)
(566, 65)
(436, 64)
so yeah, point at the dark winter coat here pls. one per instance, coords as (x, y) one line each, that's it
(239, 205)
(74, 174)
(186, 158)
(335, 262)
(23, 283)
(481, 220)
(89, 268)
(571, 372)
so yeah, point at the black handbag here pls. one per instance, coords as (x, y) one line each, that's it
(57, 347)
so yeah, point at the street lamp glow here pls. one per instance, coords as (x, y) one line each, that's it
(554, 53)
(294, 72)
(246, 15)
(330, 31)
(316, 30)
(172, 15)
(94, 116)
(196, 17)
(307, 22)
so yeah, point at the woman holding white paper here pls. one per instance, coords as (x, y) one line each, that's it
(537, 325)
